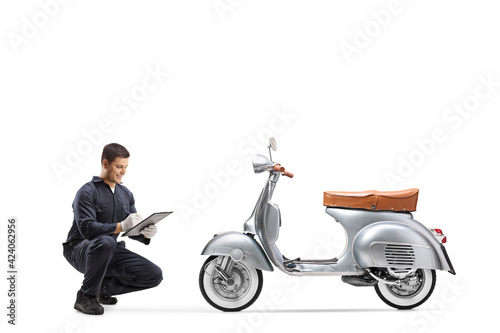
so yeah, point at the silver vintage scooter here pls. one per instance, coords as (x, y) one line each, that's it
(386, 248)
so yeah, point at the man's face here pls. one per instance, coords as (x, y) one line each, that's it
(115, 171)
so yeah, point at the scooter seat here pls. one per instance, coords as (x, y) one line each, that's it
(400, 201)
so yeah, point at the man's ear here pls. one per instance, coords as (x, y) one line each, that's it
(105, 164)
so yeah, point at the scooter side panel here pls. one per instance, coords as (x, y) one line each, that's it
(225, 243)
(354, 220)
(393, 244)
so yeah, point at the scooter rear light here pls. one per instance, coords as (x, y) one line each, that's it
(438, 233)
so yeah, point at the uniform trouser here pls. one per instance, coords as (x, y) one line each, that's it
(103, 261)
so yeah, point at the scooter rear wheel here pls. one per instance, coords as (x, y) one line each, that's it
(415, 290)
(234, 294)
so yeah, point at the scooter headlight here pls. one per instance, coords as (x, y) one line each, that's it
(261, 163)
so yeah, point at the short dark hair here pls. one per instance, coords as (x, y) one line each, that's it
(112, 151)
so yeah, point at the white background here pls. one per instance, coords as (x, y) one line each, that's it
(230, 71)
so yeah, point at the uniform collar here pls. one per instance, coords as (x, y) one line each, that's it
(96, 179)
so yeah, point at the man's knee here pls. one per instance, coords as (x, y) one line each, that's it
(156, 275)
(103, 245)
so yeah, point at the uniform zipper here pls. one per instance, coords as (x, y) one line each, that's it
(113, 204)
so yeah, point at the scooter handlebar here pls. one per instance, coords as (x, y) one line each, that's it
(281, 169)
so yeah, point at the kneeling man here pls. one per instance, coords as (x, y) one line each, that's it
(102, 209)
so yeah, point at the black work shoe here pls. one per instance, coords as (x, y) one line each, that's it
(104, 297)
(88, 304)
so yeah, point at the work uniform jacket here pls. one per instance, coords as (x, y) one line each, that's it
(97, 210)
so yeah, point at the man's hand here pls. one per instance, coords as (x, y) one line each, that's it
(131, 221)
(149, 231)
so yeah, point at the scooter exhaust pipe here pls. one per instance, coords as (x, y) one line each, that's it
(359, 280)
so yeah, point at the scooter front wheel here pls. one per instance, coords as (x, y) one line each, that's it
(412, 292)
(229, 285)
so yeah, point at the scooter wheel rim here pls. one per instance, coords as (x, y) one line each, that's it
(401, 293)
(239, 286)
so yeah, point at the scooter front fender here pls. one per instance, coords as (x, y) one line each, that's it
(400, 245)
(233, 244)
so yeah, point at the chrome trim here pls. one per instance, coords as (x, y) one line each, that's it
(221, 272)
(397, 283)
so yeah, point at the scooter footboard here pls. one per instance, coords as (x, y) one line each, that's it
(240, 247)
(400, 245)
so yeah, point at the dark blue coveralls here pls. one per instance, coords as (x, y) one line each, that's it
(92, 248)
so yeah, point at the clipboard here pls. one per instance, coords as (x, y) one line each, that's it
(152, 219)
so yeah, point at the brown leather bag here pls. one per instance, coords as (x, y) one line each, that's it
(401, 201)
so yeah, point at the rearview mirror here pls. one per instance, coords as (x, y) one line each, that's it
(272, 144)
